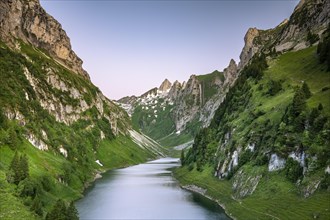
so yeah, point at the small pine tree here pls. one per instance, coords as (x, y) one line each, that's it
(13, 139)
(15, 168)
(37, 206)
(72, 213)
(306, 91)
(58, 212)
(299, 102)
(182, 157)
(24, 167)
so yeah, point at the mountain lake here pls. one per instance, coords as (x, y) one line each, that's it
(145, 191)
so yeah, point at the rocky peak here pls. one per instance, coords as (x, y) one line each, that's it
(165, 86)
(249, 48)
(230, 72)
(300, 4)
(28, 21)
(175, 90)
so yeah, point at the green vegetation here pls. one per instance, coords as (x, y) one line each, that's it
(32, 180)
(275, 197)
(155, 122)
(324, 47)
(278, 109)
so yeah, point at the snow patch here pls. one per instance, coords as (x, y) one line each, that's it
(63, 151)
(99, 163)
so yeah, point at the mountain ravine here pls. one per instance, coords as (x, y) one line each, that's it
(57, 130)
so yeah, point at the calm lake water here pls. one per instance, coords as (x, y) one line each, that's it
(145, 191)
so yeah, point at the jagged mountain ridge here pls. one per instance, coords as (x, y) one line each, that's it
(187, 106)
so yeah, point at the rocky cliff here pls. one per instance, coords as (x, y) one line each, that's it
(310, 16)
(28, 21)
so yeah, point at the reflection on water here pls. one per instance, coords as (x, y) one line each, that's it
(145, 191)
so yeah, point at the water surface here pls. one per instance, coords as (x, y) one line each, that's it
(145, 191)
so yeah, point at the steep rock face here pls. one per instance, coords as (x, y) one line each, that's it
(230, 73)
(293, 34)
(188, 103)
(249, 48)
(309, 16)
(28, 21)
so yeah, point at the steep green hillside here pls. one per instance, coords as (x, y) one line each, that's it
(269, 141)
(61, 131)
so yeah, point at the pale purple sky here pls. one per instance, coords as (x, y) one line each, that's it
(129, 47)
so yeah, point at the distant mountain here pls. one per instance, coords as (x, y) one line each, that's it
(173, 113)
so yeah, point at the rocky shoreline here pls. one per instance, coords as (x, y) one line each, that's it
(202, 191)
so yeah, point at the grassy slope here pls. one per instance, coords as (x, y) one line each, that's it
(275, 195)
(81, 139)
(120, 152)
(303, 65)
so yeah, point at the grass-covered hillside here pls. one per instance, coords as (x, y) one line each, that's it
(266, 153)
(56, 132)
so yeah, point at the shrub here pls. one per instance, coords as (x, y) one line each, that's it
(293, 170)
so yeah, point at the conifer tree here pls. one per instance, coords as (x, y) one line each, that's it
(15, 167)
(299, 102)
(37, 206)
(72, 213)
(58, 212)
(182, 157)
(24, 167)
(306, 90)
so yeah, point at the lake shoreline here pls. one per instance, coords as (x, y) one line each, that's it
(119, 184)
(202, 191)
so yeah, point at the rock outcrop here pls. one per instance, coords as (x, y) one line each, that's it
(165, 86)
(249, 48)
(28, 21)
(289, 34)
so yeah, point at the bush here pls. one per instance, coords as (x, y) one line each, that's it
(293, 170)
(312, 38)
(28, 187)
(191, 166)
(261, 160)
